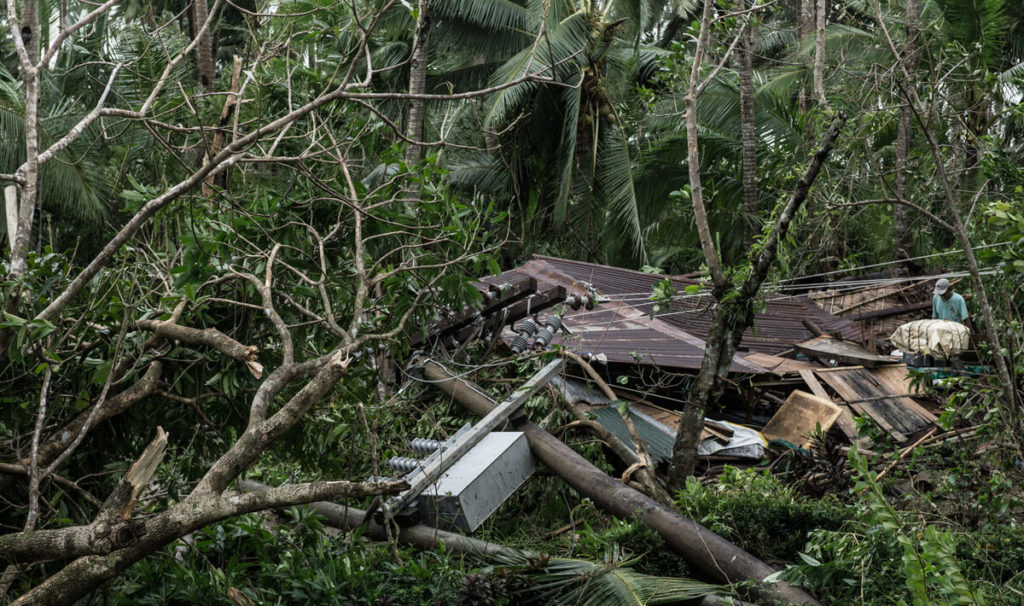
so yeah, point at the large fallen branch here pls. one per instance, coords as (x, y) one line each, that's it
(424, 537)
(211, 337)
(704, 549)
(207, 503)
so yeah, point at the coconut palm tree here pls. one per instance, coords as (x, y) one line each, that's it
(559, 147)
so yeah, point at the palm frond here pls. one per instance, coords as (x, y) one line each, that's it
(480, 172)
(613, 180)
(496, 16)
(567, 150)
(557, 47)
(563, 581)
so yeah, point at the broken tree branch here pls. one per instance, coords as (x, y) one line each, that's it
(646, 475)
(211, 337)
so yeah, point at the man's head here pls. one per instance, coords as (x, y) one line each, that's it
(942, 288)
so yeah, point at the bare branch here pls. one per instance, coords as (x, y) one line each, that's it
(918, 208)
(77, 130)
(211, 337)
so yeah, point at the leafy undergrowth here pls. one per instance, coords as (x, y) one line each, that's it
(943, 529)
(295, 562)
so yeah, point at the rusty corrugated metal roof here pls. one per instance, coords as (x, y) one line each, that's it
(623, 330)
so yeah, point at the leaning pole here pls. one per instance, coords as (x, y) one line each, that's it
(702, 548)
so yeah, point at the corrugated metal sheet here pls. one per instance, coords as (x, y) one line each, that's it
(658, 439)
(622, 329)
(776, 327)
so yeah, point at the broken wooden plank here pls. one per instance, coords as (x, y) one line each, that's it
(814, 385)
(799, 416)
(847, 352)
(891, 408)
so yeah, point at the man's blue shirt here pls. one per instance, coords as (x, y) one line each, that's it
(954, 309)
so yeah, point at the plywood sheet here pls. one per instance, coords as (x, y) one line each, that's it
(881, 396)
(798, 417)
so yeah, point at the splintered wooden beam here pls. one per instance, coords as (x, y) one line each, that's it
(122, 500)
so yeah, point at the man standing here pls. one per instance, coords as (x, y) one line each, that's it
(948, 305)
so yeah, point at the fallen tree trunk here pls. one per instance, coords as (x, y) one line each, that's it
(709, 552)
(424, 537)
(421, 536)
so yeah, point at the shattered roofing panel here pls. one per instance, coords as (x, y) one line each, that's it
(776, 327)
(623, 330)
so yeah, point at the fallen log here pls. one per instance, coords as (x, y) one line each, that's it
(424, 537)
(704, 549)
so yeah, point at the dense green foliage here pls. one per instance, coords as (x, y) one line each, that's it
(289, 224)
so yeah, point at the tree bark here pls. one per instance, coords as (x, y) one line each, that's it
(704, 549)
(30, 72)
(85, 574)
(748, 132)
(819, 53)
(805, 27)
(902, 236)
(707, 243)
(732, 315)
(418, 62)
(205, 62)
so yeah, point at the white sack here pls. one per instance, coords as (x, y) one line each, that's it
(939, 338)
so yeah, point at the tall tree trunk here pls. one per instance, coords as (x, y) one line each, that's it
(30, 190)
(205, 46)
(733, 315)
(902, 235)
(707, 243)
(748, 131)
(804, 29)
(418, 84)
(819, 53)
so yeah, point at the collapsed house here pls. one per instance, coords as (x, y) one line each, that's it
(648, 351)
(628, 357)
(631, 356)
